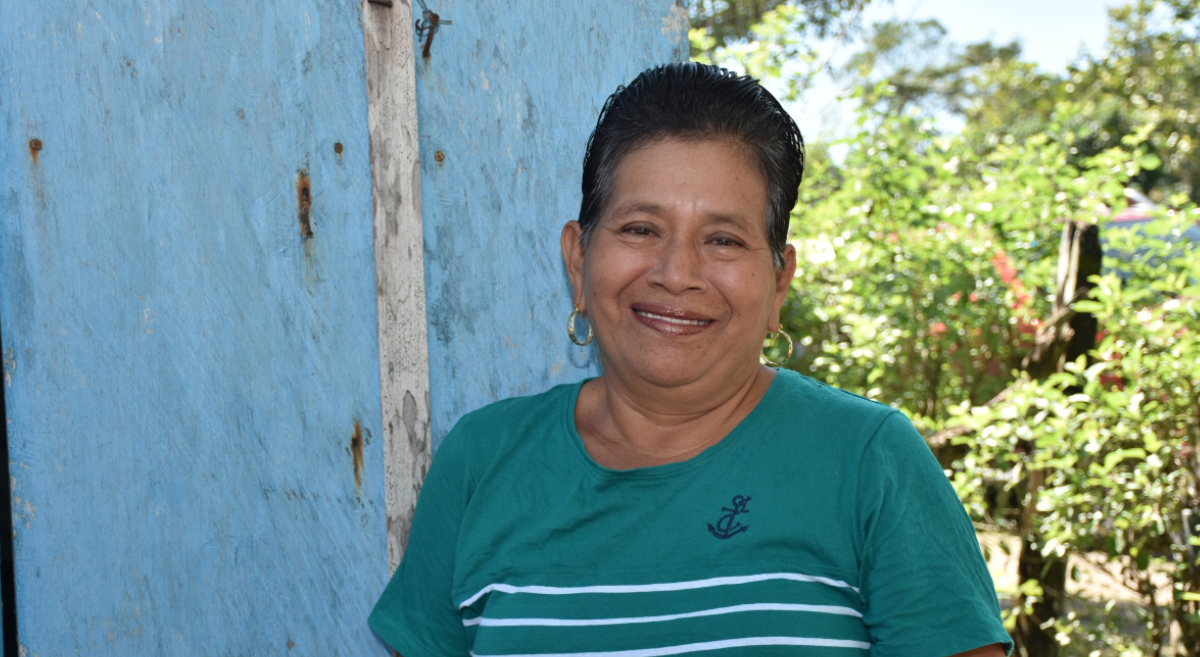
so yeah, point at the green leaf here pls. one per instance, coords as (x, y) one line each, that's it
(1087, 306)
(1113, 458)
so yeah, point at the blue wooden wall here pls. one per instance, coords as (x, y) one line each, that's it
(192, 381)
(508, 96)
(187, 295)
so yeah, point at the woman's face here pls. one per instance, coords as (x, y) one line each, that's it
(678, 279)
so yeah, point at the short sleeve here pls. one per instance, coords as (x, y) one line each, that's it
(415, 615)
(926, 585)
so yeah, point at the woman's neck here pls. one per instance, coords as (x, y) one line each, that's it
(634, 424)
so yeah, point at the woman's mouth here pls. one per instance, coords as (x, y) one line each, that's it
(674, 320)
(671, 321)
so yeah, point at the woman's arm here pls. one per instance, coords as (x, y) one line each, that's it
(927, 586)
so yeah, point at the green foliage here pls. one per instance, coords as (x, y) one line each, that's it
(718, 23)
(777, 50)
(776, 42)
(921, 68)
(1148, 78)
(925, 267)
(896, 291)
(1115, 436)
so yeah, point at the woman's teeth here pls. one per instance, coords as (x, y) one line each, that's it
(674, 320)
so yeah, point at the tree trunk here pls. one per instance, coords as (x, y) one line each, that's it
(1051, 573)
(1185, 611)
(1066, 336)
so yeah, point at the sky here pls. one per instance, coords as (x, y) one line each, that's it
(1051, 32)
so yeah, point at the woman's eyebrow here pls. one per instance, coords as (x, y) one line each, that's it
(638, 207)
(736, 220)
(652, 208)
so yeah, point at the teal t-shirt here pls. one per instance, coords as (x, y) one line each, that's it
(821, 525)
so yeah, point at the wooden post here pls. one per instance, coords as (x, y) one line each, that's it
(399, 262)
(1063, 338)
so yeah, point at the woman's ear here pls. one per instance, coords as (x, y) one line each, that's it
(572, 249)
(783, 283)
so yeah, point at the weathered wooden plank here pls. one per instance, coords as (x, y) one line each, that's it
(187, 291)
(399, 262)
(507, 97)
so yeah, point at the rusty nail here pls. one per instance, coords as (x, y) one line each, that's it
(337, 148)
(35, 144)
(438, 156)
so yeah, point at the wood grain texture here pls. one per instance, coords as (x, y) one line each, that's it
(187, 291)
(399, 262)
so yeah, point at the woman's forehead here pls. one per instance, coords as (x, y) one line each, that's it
(717, 179)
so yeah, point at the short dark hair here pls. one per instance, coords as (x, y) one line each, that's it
(695, 101)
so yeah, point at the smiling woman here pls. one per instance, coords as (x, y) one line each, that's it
(689, 499)
(679, 281)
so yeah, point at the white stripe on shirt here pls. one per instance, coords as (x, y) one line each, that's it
(573, 622)
(708, 645)
(652, 588)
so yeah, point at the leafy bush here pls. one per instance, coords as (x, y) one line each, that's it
(925, 272)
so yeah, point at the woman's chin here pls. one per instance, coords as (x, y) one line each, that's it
(672, 370)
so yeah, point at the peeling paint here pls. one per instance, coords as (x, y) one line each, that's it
(10, 366)
(304, 203)
(675, 22)
(356, 451)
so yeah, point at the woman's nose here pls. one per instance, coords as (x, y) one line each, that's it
(679, 266)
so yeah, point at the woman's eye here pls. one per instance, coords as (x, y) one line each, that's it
(726, 241)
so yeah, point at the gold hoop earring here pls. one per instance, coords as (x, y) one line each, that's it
(571, 327)
(774, 336)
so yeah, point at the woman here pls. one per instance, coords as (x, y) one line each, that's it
(690, 499)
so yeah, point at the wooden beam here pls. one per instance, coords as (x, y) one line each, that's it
(399, 262)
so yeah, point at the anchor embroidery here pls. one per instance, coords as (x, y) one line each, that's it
(726, 526)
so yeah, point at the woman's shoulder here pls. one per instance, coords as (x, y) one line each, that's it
(823, 405)
(854, 425)
(519, 409)
(515, 419)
